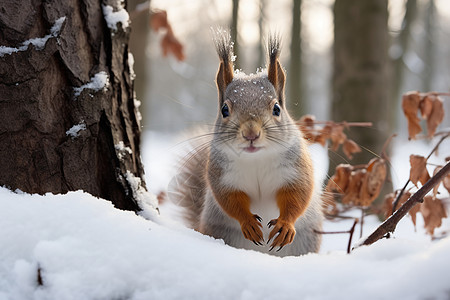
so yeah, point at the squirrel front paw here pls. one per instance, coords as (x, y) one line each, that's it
(251, 229)
(286, 233)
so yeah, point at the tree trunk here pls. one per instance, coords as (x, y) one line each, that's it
(429, 49)
(401, 45)
(140, 17)
(67, 114)
(360, 81)
(234, 32)
(295, 66)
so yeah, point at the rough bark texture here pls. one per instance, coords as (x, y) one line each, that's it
(38, 103)
(360, 81)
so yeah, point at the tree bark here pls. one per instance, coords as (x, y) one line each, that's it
(295, 65)
(360, 81)
(234, 32)
(57, 138)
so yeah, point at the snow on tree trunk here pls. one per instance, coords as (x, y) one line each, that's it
(68, 119)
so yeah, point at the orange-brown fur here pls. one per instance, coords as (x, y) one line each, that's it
(257, 160)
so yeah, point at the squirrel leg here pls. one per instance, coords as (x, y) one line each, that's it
(292, 202)
(237, 205)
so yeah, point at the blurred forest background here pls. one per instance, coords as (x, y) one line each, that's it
(345, 60)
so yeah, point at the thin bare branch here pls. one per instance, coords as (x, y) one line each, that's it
(390, 224)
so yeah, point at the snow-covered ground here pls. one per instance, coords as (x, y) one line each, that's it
(86, 249)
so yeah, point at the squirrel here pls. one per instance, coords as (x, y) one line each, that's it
(254, 168)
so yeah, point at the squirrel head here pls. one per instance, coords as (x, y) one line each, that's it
(252, 113)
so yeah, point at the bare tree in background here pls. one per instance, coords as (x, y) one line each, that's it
(234, 31)
(295, 66)
(67, 114)
(360, 80)
(429, 45)
(261, 24)
(140, 15)
(402, 45)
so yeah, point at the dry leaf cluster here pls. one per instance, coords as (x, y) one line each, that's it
(358, 185)
(419, 173)
(361, 185)
(432, 209)
(169, 43)
(430, 108)
(329, 131)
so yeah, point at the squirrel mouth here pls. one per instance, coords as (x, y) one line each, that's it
(251, 149)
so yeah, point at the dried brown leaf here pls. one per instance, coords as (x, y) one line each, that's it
(324, 135)
(337, 136)
(410, 106)
(373, 181)
(170, 44)
(433, 212)
(306, 125)
(418, 170)
(436, 116)
(388, 204)
(339, 181)
(350, 147)
(446, 182)
(352, 193)
(413, 212)
(307, 120)
(162, 197)
(158, 20)
(389, 200)
(436, 187)
(426, 105)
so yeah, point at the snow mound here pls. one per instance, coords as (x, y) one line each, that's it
(87, 249)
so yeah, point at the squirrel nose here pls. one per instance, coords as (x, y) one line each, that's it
(251, 136)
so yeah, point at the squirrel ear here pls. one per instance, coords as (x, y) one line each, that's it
(275, 72)
(224, 48)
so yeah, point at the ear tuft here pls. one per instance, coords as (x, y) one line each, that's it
(224, 48)
(275, 72)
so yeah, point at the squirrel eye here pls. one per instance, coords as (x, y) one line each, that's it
(276, 110)
(225, 111)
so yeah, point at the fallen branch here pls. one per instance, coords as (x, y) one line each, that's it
(390, 224)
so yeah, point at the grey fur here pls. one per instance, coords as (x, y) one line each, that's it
(251, 99)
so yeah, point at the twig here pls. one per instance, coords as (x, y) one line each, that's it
(434, 94)
(362, 223)
(347, 124)
(395, 203)
(391, 223)
(351, 236)
(351, 231)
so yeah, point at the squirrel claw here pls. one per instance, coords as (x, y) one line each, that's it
(258, 218)
(272, 223)
(252, 230)
(282, 234)
(257, 243)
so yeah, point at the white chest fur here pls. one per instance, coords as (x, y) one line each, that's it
(259, 175)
